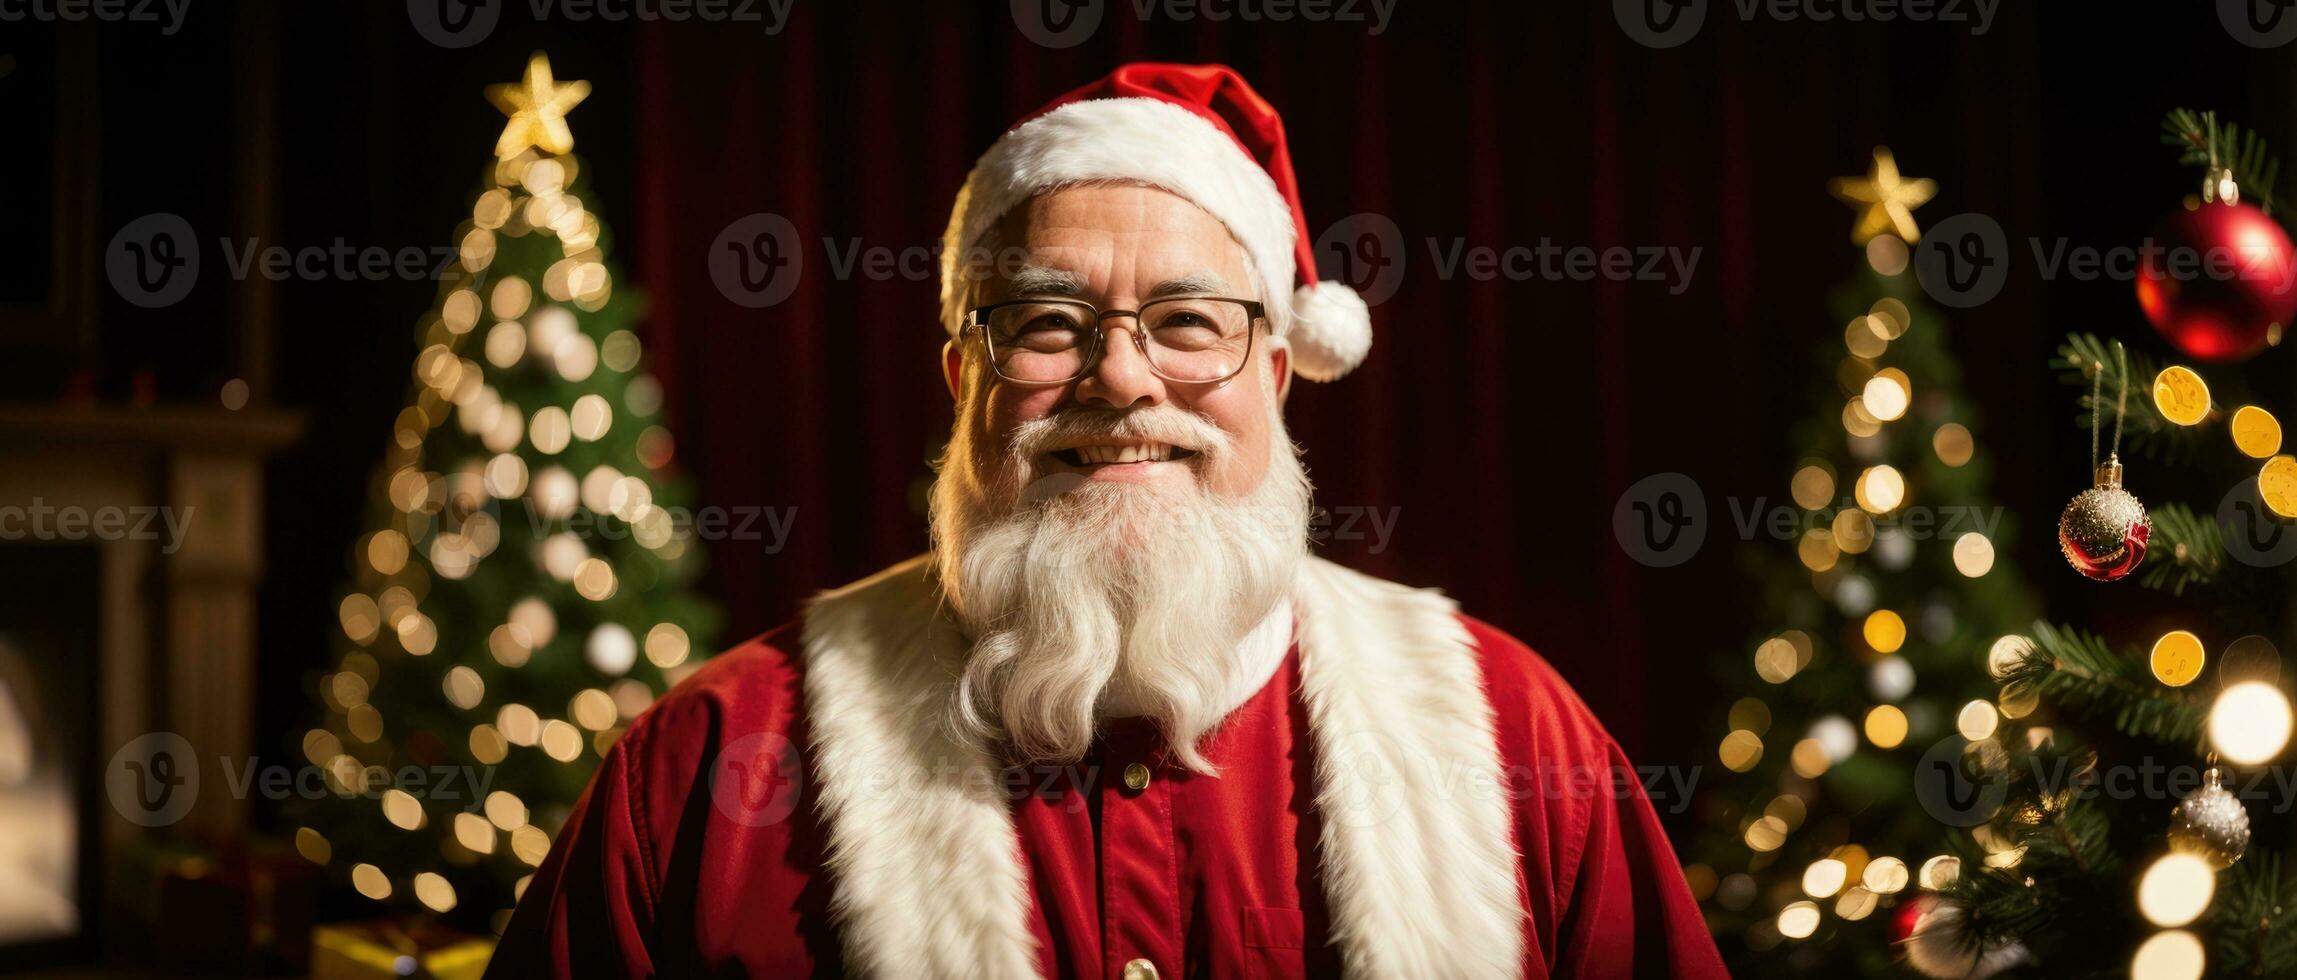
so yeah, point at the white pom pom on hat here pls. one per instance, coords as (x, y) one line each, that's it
(1198, 131)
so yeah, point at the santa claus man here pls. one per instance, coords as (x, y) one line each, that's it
(1119, 722)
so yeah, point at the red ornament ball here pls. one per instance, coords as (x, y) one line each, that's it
(2104, 532)
(2220, 281)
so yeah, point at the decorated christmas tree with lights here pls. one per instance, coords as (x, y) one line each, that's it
(1880, 615)
(524, 591)
(2112, 826)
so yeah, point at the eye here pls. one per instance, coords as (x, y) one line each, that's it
(1051, 320)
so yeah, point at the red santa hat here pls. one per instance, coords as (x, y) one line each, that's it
(1197, 131)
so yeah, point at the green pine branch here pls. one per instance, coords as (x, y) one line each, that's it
(2206, 142)
(2185, 550)
(2086, 356)
(2077, 670)
(2255, 916)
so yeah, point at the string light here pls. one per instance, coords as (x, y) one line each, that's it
(2250, 722)
(2171, 955)
(2177, 658)
(2176, 889)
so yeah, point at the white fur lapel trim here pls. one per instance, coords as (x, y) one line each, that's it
(1419, 872)
(1419, 867)
(926, 874)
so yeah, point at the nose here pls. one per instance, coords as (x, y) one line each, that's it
(1122, 379)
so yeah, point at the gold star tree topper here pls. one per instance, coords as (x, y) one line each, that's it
(537, 105)
(1886, 201)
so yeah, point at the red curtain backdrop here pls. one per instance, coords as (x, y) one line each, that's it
(1497, 421)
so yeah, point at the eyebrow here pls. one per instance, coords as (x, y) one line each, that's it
(1193, 283)
(1038, 280)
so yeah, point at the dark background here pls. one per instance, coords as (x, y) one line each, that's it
(1501, 420)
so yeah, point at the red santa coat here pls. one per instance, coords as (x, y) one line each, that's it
(1412, 794)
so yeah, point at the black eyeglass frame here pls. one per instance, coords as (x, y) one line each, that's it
(976, 321)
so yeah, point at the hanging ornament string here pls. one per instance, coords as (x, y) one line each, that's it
(2103, 532)
(2121, 405)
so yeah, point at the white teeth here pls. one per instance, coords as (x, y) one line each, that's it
(1155, 452)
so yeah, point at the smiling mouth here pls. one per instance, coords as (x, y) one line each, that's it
(1090, 456)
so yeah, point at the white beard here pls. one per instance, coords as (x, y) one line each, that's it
(1087, 598)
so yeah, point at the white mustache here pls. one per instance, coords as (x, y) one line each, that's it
(1163, 423)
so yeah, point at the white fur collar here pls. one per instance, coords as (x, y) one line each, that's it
(1419, 872)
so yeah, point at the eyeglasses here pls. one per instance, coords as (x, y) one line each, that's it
(1187, 339)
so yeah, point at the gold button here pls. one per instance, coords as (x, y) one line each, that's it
(1136, 777)
(1139, 969)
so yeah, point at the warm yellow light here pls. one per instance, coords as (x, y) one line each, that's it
(2180, 395)
(2177, 658)
(2171, 955)
(1953, 444)
(474, 832)
(1766, 834)
(1884, 876)
(2256, 432)
(1880, 489)
(2007, 653)
(463, 687)
(371, 882)
(434, 892)
(1809, 759)
(1853, 531)
(2250, 723)
(313, 845)
(561, 741)
(667, 646)
(1817, 549)
(1939, 872)
(518, 724)
(1799, 920)
(2176, 889)
(1824, 877)
(2277, 485)
(1973, 555)
(505, 810)
(1886, 726)
(1884, 630)
(1887, 395)
(1978, 720)
(1740, 750)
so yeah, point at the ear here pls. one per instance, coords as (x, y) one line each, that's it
(952, 367)
(1280, 358)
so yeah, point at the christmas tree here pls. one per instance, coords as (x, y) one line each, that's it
(1879, 615)
(523, 594)
(2112, 825)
